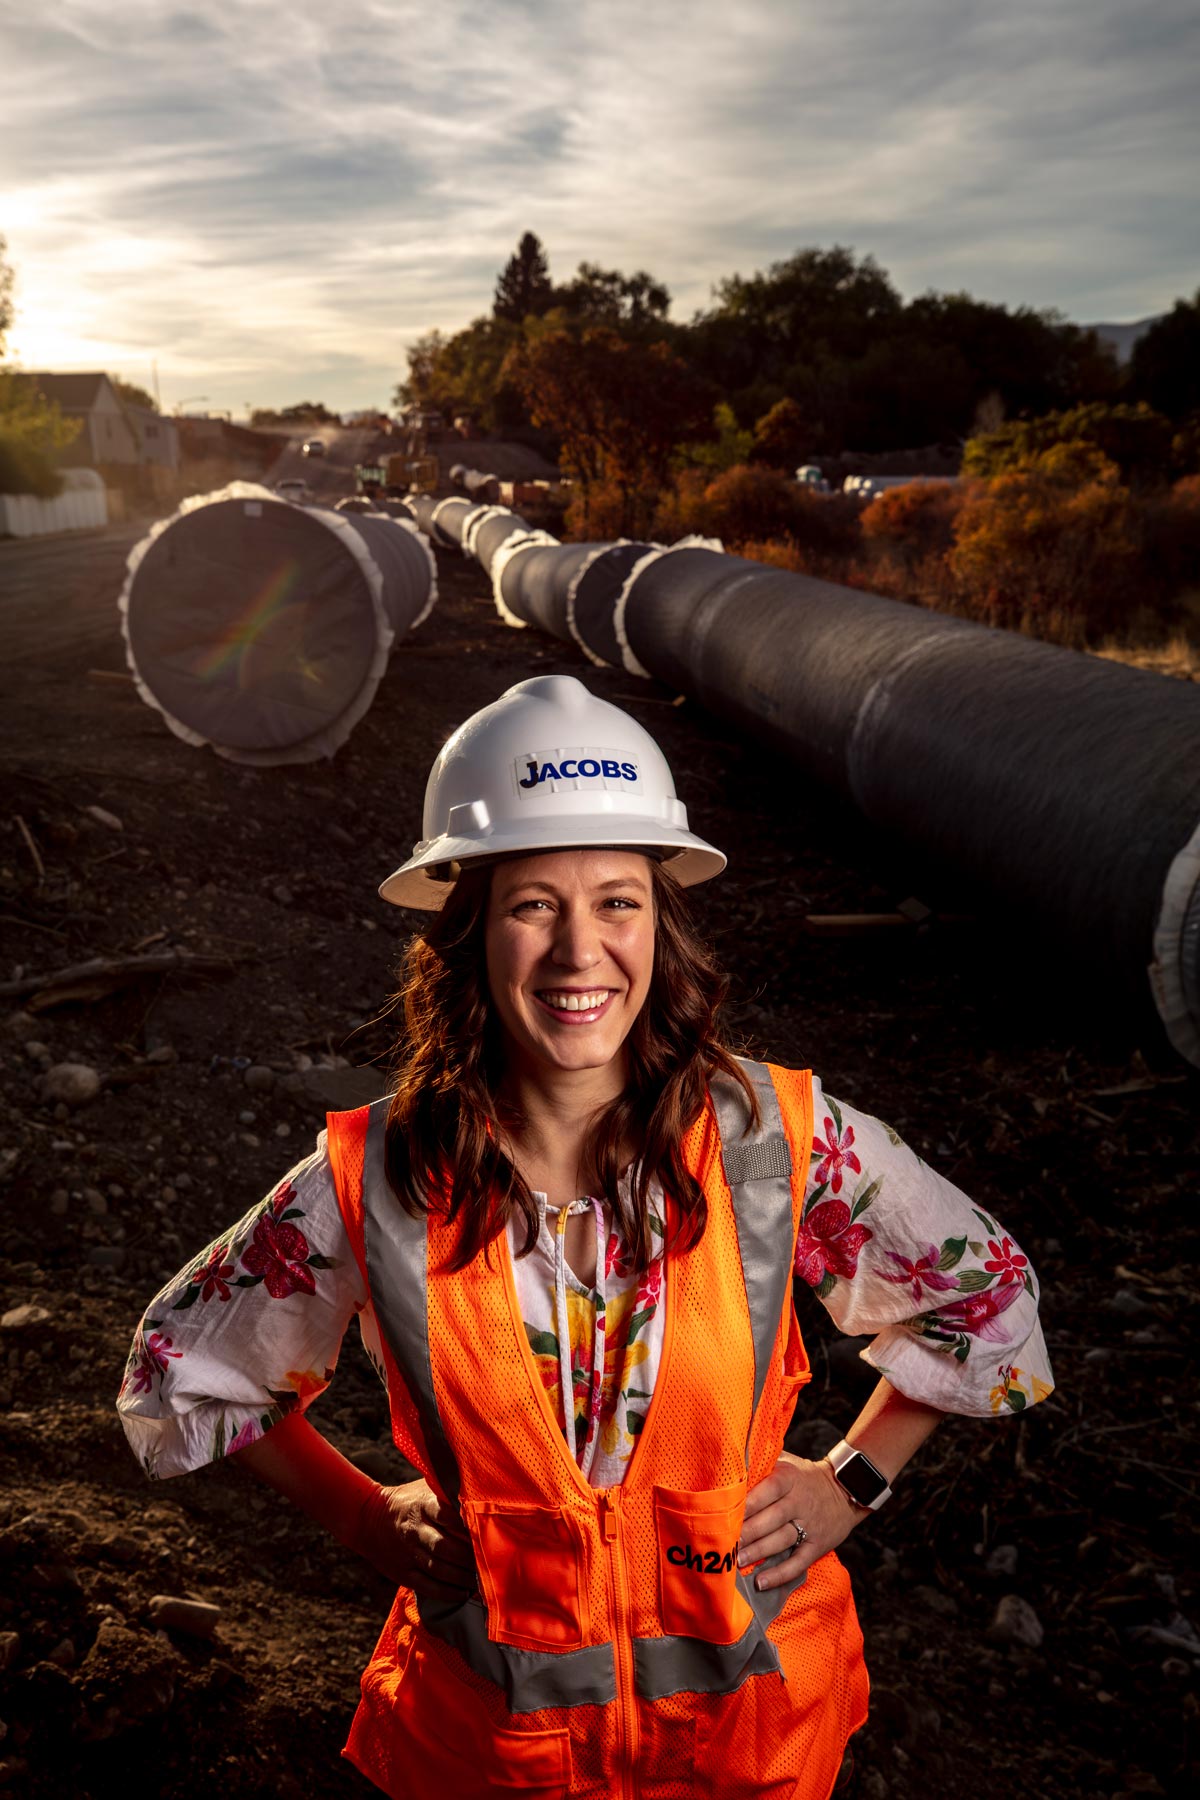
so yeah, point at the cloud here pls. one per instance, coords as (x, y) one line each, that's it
(264, 196)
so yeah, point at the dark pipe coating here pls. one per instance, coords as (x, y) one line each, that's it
(1068, 784)
(593, 596)
(535, 584)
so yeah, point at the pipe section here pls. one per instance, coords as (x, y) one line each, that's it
(592, 596)
(1066, 784)
(535, 585)
(491, 529)
(263, 629)
(447, 518)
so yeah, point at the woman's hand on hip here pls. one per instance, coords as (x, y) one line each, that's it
(796, 1493)
(409, 1537)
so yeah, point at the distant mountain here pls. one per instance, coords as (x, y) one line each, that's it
(1122, 338)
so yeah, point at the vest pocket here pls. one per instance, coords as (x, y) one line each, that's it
(698, 1534)
(435, 1741)
(532, 1572)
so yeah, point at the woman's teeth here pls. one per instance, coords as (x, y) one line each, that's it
(576, 1002)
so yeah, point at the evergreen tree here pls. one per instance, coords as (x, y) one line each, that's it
(1165, 367)
(524, 284)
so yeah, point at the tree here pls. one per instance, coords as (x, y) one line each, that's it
(619, 407)
(32, 431)
(6, 294)
(729, 445)
(1165, 366)
(1135, 439)
(304, 412)
(470, 372)
(607, 297)
(132, 395)
(32, 428)
(816, 297)
(419, 385)
(782, 435)
(1033, 361)
(524, 284)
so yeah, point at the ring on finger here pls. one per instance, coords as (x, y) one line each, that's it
(801, 1534)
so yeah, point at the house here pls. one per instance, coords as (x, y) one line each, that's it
(158, 439)
(107, 436)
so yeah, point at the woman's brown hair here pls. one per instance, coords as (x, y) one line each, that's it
(446, 1120)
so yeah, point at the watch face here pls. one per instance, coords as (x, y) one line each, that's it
(861, 1480)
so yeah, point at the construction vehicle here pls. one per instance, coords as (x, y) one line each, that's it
(411, 474)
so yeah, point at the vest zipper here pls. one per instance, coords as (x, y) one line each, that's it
(610, 1531)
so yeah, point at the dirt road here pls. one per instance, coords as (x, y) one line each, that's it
(58, 597)
(1025, 1083)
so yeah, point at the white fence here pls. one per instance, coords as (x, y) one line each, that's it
(82, 506)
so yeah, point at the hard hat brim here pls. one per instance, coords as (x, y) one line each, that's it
(689, 858)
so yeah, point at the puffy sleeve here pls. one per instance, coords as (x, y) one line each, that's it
(892, 1247)
(249, 1331)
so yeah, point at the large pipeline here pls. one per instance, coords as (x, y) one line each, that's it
(263, 628)
(1065, 784)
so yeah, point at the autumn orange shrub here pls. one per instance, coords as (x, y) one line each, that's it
(680, 509)
(777, 553)
(915, 521)
(1033, 550)
(601, 513)
(1172, 538)
(752, 504)
(748, 502)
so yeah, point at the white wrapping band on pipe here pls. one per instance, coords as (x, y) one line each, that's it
(573, 590)
(1177, 949)
(478, 518)
(523, 540)
(630, 660)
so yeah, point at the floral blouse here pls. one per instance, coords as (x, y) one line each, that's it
(251, 1329)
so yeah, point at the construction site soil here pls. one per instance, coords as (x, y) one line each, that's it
(1025, 1079)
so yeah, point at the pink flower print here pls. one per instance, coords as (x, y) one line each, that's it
(152, 1355)
(249, 1434)
(278, 1254)
(827, 1241)
(650, 1288)
(979, 1314)
(215, 1275)
(1006, 1261)
(616, 1258)
(283, 1197)
(835, 1154)
(924, 1271)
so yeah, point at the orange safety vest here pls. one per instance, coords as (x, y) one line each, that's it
(613, 1647)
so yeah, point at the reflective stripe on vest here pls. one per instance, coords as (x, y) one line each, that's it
(757, 1169)
(396, 1246)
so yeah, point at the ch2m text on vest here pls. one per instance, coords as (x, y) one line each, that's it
(703, 1562)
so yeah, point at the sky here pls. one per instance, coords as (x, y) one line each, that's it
(267, 202)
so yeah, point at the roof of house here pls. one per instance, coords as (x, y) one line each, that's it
(74, 392)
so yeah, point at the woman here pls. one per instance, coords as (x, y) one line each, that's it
(569, 1235)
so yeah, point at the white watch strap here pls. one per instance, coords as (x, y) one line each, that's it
(839, 1456)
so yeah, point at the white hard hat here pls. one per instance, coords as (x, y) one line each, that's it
(548, 766)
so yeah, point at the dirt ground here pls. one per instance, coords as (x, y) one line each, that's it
(1023, 1078)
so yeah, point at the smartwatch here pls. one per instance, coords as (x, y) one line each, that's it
(866, 1485)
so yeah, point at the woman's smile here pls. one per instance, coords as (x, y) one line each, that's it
(576, 1006)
